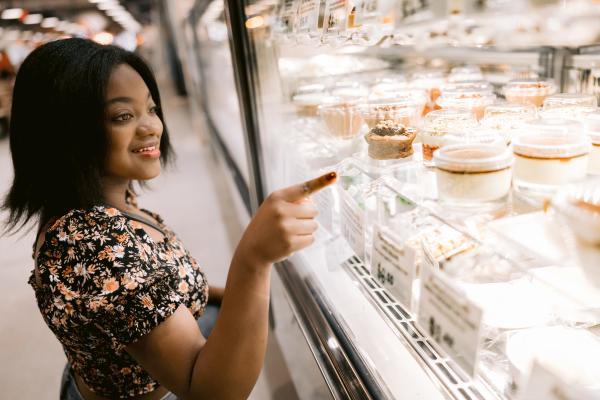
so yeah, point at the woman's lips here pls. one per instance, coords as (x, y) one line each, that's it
(148, 151)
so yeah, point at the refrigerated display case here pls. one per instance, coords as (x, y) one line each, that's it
(458, 253)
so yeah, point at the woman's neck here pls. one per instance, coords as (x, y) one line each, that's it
(115, 193)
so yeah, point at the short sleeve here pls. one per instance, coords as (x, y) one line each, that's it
(124, 286)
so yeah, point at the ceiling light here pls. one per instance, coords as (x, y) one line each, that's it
(49, 22)
(12, 13)
(103, 38)
(33, 19)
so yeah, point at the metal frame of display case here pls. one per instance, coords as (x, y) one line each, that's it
(346, 372)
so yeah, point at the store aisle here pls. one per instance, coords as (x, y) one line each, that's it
(193, 200)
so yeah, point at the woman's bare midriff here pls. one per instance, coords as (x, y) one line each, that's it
(89, 395)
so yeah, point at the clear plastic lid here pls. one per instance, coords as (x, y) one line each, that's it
(568, 100)
(580, 204)
(551, 145)
(545, 126)
(312, 88)
(441, 122)
(474, 157)
(465, 73)
(315, 99)
(471, 85)
(349, 89)
(592, 126)
(404, 110)
(428, 79)
(465, 98)
(505, 110)
(529, 87)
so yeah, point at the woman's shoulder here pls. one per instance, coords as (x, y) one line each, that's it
(93, 218)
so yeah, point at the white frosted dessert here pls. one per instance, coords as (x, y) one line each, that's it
(473, 173)
(550, 159)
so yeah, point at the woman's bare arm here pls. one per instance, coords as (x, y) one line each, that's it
(227, 365)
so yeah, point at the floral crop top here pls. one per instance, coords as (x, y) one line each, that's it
(105, 283)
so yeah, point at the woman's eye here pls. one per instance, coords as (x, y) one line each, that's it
(153, 109)
(123, 117)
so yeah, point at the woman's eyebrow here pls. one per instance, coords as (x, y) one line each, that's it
(124, 99)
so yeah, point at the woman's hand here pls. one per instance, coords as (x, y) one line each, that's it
(283, 224)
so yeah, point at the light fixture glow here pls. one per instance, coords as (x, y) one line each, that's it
(33, 19)
(255, 22)
(49, 22)
(103, 38)
(12, 13)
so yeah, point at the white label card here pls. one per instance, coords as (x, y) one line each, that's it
(324, 202)
(352, 224)
(452, 320)
(336, 16)
(308, 16)
(388, 265)
(545, 385)
(289, 11)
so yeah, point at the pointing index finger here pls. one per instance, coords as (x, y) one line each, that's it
(298, 192)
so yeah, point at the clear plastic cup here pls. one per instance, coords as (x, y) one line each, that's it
(431, 82)
(530, 91)
(399, 111)
(307, 104)
(465, 73)
(473, 174)
(507, 118)
(592, 129)
(569, 105)
(440, 127)
(468, 97)
(342, 120)
(545, 161)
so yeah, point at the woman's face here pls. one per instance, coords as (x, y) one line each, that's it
(133, 127)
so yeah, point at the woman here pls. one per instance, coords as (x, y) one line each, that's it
(114, 284)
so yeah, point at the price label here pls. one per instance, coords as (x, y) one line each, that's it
(288, 14)
(324, 202)
(389, 264)
(452, 320)
(543, 384)
(308, 17)
(336, 17)
(352, 223)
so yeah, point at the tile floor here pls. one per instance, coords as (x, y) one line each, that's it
(187, 197)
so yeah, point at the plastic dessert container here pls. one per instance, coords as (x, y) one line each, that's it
(439, 128)
(531, 91)
(404, 107)
(342, 120)
(465, 73)
(430, 81)
(508, 115)
(578, 206)
(473, 174)
(307, 104)
(592, 129)
(545, 161)
(569, 105)
(475, 100)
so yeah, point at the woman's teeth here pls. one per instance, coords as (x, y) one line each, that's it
(151, 148)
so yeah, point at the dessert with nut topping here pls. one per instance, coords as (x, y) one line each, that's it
(390, 140)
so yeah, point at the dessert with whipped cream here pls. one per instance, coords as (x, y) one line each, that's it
(529, 91)
(471, 174)
(550, 159)
(390, 140)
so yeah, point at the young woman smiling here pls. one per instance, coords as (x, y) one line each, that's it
(112, 281)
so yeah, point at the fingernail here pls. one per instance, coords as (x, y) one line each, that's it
(331, 176)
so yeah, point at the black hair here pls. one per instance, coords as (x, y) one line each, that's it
(58, 139)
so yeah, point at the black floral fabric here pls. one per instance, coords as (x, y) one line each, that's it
(103, 283)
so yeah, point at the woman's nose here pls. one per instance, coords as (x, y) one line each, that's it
(150, 126)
